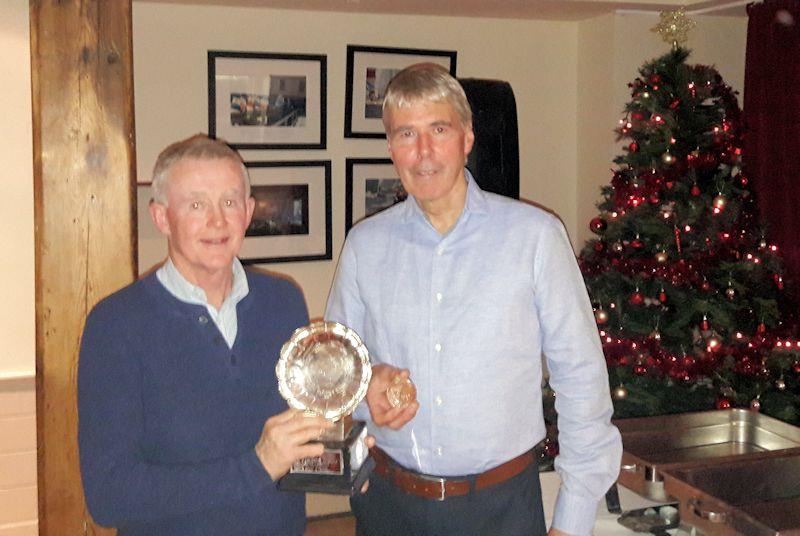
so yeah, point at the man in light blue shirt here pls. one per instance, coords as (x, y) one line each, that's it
(464, 290)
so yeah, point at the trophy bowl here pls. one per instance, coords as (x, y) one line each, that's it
(324, 369)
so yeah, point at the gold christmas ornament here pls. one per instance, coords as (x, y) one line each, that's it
(674, 27)
(620, 393)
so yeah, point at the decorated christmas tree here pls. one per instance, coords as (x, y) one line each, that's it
(687, 292)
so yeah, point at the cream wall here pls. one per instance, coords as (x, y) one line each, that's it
(16, 204)
(538, 58)
(18, 516)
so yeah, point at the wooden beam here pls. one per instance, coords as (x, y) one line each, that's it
(84, 180)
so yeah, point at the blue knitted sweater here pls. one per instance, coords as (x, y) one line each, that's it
(169, 415)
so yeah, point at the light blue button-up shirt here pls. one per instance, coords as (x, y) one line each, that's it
(470, 314)
(225, 318)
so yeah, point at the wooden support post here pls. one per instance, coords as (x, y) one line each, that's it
(84, 169)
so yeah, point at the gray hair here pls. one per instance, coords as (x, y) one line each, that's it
(199, 147)
(426, 82)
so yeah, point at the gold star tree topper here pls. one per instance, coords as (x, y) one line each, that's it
(674, 26)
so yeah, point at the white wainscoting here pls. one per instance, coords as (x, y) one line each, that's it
(18, 513)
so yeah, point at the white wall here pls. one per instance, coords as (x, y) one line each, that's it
(18, 514)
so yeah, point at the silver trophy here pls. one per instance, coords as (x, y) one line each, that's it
(324, 369)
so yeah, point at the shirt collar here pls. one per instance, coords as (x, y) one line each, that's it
(181, 288)
(475, 202)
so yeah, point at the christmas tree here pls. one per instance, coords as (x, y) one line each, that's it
(688, 294)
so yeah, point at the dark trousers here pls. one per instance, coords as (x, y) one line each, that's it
(511, 508)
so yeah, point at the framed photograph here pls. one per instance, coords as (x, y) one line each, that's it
(369, 70)
(372, 185)
(267, 101)
(292, 216)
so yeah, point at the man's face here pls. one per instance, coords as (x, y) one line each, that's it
(429, 147)
(205, 217)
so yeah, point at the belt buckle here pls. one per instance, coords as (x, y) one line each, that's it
(441, 482)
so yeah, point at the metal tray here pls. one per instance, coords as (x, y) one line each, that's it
(752, 497)
(654, 444)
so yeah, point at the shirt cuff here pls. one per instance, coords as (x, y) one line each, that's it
(574, 514)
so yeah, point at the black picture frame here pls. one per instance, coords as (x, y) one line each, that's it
(362, 114)
(303, 188)
(265, 100)
(363, 199)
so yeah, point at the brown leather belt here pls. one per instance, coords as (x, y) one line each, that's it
(440, 488)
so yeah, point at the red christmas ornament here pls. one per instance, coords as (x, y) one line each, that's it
(695, 190)
(705, 285)
(762, 328)
(654, 79)
(636, 243)
(633, 147)
(704, 323)
(636, 298)
(662, 297)
(639, 370)
(722, 403)
(598, 225)
(599, 246)
(796, 367)
(778, 281)
(669, 184)
(674, 104)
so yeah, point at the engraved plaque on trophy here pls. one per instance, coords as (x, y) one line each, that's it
(324, 369)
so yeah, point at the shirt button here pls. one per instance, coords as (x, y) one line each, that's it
(437, 347)
(438, 400)
(439, 451)
(438, 296)
(202, 319)
(439, 251)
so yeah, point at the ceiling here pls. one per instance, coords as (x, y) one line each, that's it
(516, 9)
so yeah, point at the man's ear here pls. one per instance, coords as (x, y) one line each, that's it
(251, 206)
(469, 139)
(158, 213)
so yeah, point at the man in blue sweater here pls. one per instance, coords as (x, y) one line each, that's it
(182, 429)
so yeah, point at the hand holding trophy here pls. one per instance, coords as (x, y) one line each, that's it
(324, 370)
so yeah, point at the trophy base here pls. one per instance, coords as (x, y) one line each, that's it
(342, 469)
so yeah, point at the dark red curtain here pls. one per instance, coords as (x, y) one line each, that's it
(772, 122)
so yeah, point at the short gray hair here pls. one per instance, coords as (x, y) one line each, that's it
(199, 147)
(426, 82)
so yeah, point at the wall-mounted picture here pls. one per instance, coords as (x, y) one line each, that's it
(369, 70)
(267, 101)
(372, 185)
(292, 215)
